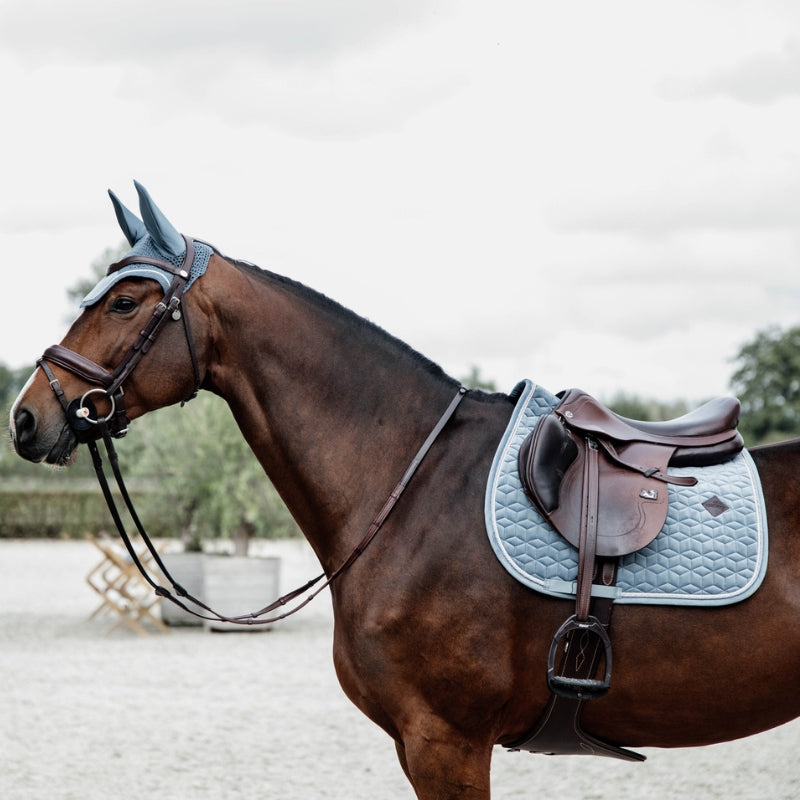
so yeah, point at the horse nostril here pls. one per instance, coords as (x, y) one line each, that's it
(24, 426)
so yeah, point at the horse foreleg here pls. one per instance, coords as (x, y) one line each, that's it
(443, 765)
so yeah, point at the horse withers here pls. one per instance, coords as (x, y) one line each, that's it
(433, 640)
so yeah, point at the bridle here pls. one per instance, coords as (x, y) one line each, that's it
(81, 413)
(88, 427)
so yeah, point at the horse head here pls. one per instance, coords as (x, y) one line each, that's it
(92, 382)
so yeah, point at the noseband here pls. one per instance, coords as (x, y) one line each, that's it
(81, 412)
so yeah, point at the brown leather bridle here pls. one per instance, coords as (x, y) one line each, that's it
(88, 427)
(80, 412)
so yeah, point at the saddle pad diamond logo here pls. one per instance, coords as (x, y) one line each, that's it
(715, 506)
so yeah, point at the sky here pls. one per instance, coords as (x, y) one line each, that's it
(595, 194)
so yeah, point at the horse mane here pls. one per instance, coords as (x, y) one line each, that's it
(326, 303)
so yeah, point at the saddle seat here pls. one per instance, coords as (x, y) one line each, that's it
(690, 434)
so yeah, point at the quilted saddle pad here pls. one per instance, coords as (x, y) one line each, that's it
(712, 550)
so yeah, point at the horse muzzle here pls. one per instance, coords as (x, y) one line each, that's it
(51, 437)
(39, 436)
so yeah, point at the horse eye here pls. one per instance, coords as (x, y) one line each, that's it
(122, 305)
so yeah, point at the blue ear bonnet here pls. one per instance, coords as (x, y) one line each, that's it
(147, 247)
(152, 236)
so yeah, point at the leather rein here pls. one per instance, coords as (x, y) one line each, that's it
(88, 427)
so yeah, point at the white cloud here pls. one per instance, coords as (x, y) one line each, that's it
(738, 200)
(761, 79)
(499, 184)
(307, 67)
(160, 31)
(351, 98)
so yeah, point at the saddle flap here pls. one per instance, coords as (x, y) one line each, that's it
(632, 507)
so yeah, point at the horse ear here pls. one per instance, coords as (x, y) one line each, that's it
(158, 226)
(131, 225)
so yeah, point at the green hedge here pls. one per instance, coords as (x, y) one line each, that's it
(61, 513)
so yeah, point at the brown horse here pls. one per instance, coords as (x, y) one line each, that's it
(434, 641)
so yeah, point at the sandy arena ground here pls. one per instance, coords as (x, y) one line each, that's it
(192, 715)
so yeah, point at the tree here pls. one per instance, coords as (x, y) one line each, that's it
(475, 380)
(98, 269)
(206, 481)
(11, 382)
(191, 470)
(767, 382)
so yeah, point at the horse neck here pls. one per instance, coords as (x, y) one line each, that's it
(333, 408)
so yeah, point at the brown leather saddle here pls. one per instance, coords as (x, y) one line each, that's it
(631, 459)
(601, 480)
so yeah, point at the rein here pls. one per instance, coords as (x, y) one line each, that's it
(88, 427)
(256, 617)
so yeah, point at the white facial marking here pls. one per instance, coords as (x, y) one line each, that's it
(17, 401)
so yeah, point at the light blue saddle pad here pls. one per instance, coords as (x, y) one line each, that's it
(713, 554)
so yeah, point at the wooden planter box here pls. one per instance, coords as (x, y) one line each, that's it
(231, 585)
(188, 570)
(236, 585)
